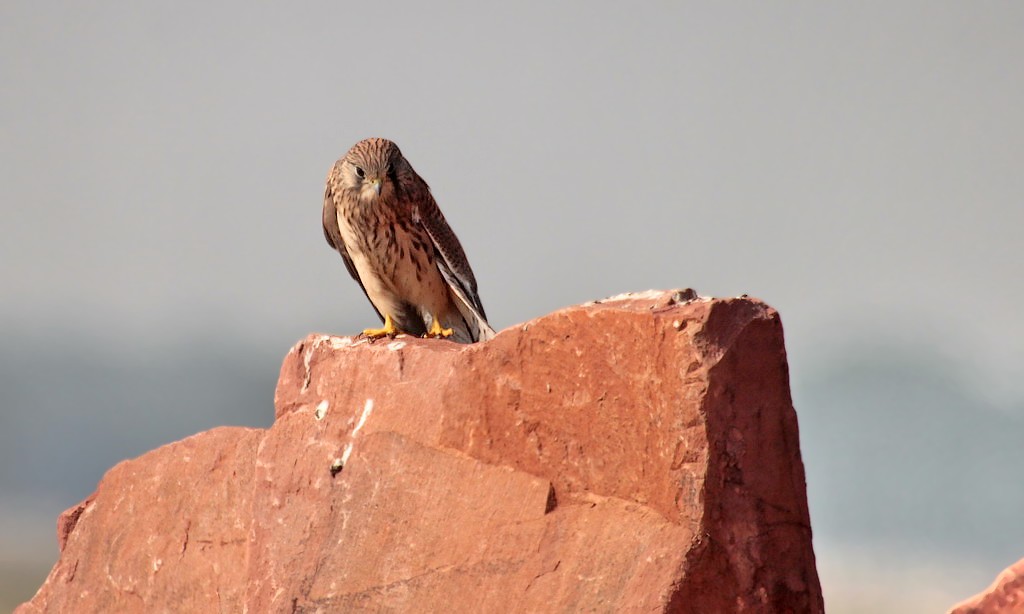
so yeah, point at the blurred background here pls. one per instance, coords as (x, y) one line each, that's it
(857, 166)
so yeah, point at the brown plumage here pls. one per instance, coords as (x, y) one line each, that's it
(380, 216)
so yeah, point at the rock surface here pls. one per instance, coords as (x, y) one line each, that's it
(1005, 596)
(635, 454)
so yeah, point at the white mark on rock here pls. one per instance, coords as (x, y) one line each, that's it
(321, 409)
(394, 346)
(362, 418)
(306, 357)
(633, 296)
(335, 342)
(367, 410)
(649, 295)
(340, 342)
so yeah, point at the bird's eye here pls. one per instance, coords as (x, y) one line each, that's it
(360, 173)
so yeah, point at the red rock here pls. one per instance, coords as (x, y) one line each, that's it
(1004, 596)
(634, 454)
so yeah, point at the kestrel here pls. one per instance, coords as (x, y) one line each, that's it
(380, 216)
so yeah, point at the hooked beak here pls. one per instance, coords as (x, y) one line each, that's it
(376, 183)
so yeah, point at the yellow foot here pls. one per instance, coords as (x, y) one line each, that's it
(438, 332)
(389, 330)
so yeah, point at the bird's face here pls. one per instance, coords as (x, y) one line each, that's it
(369, 169)
(368, 180)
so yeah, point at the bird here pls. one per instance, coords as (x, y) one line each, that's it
(380, 216)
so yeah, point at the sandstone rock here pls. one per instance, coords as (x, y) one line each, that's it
(635, 454)
(1004, 596)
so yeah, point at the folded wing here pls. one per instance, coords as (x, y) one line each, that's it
(455, 269)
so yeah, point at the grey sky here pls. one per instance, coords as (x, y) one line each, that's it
(856, 165)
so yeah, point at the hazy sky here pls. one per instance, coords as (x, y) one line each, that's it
(856, 165)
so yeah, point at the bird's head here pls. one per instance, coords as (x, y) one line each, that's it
(371, 168)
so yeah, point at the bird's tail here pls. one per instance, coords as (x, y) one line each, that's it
(475, 326)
